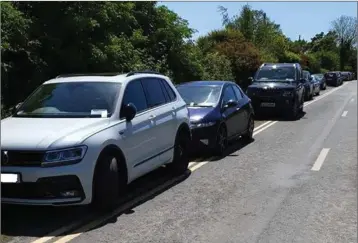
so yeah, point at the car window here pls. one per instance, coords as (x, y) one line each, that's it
(237, 92)
(228, 94)
(134, 93)
(166, 95)
(169, 90)
(154, 92)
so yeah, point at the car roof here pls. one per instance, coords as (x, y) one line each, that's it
(206, 82)
(115, 78)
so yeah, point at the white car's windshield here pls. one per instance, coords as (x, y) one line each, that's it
(200, 95)
(71, 99)
(276, 73)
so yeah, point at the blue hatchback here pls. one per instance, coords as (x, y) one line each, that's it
(219, 112)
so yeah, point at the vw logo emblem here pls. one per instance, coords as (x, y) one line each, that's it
(5, 157)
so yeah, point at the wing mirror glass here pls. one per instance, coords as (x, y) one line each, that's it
(130, 111)
(231, 103)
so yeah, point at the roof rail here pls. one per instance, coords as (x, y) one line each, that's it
(142, 72)
(87, 74)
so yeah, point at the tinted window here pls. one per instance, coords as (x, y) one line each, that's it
(134, 93)
(166, 95)
(169, 90)
(154, 92)
(237, 92)
(71, 99)
(228, 95)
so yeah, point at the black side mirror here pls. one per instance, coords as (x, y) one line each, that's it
(129, 111)
(250, 79)
(14, 109)
(302, 81)
(231, 103)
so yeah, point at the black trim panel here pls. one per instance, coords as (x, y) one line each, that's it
(146, 160)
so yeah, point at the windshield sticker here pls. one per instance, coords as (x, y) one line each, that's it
(103, 113)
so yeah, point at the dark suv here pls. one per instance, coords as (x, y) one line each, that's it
(334, 78)
(278, 86)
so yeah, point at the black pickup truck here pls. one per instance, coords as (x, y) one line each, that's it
(279, 87)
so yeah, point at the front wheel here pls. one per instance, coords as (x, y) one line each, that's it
(106, 183)
(248, 136)
(181, 155)
(221, 141)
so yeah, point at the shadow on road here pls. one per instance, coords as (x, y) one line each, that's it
(35, 221)
(202, 153)
(264, 116)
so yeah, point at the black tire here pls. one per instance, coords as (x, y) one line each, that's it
(293, 112)
(180, 161)
(318, 93)
(221, 141)
(310, 97)
(248, 135)
(106, 183)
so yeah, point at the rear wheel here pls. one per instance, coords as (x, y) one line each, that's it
(248, 136)
(221, 141)
(181, 154)
(107, 183)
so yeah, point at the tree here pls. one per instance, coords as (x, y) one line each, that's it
(345, 28)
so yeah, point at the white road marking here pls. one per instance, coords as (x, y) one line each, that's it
(344, 113)
(321, 157)
(263, 124)
(193, 166)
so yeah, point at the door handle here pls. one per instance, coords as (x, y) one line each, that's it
(152, 116)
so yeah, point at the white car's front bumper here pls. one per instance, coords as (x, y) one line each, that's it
(55, 186)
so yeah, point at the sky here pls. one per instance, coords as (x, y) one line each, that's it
(295, 18)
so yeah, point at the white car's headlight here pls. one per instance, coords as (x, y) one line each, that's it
(199, 125)
(64, 156)
(287, 93)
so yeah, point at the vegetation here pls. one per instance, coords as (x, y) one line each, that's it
(40, 40)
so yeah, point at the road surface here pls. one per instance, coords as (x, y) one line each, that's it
(297, 182)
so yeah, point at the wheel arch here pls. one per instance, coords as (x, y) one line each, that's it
(115, 150)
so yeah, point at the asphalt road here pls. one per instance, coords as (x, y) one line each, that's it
(297, 182)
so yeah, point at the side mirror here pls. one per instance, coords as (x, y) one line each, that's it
(231, 103)
(310, 78)
(250, 79)
(14, 109)
(302, 81)
(130, 111)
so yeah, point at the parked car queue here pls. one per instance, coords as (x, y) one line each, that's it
(80, 139)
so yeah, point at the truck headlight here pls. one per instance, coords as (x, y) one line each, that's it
(64, 156)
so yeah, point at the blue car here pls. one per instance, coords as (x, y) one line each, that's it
(219, 112)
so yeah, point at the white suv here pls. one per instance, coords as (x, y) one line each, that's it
(80, 139)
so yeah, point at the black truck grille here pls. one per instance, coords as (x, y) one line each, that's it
(21, 158)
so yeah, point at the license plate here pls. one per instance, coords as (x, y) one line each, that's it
(10, 178)
(266, 104)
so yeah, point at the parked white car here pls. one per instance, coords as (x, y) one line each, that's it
(80, 139)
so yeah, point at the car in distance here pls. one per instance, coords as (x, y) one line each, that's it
(333, 78)
(80, 139)
(278, 87)
(309, 88)
(316, 85)
(219, 112)
(322, 80)
(346, 76)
